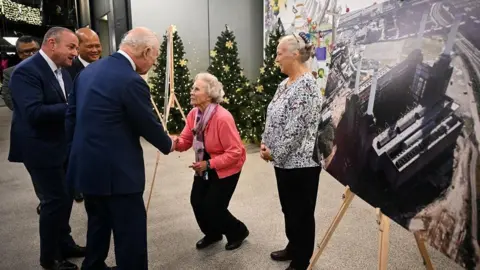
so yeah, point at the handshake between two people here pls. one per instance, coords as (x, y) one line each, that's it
(196, 166)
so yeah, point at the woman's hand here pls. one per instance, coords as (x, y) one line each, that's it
(265, 153)
(199, 166)
(174, 142)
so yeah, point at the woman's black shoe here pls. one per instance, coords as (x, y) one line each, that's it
(207, 241)
(236, 244)
(281, 255)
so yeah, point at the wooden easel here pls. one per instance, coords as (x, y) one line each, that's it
(383, 241)
(172, 100)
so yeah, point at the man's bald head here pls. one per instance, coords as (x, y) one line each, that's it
(89, 47)
(142, 45)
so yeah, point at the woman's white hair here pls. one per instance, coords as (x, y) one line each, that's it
(214, 87)
(296, 42)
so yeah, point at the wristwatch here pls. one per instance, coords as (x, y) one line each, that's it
(208, 164)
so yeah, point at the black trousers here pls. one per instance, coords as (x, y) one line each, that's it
(210, 199)
(56, 206)
(127, 217)
(297, 189)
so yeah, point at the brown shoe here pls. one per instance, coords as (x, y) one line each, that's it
(281, 255)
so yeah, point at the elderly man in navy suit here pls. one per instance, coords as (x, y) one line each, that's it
(109, 110)
(40, 87)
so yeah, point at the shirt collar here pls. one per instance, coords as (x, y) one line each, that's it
(128, 58)
(84, 63)
(52, 65)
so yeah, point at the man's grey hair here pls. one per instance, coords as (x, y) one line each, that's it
(55, 32)
(214, 86)
(138, 39)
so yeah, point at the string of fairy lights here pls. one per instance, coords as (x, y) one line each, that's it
(246, 101)
(20, 13)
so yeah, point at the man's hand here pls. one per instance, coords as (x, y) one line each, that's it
(265, 153)
(174, 142)
(199, 166)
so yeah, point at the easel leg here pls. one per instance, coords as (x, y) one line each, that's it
(423, 251)
(180, 109)
(153, 180)
(347, 199)
(383, 241)
(158, 113)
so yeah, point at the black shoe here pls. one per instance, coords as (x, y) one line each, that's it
(59, 265)
(281, 255)
(290, 268)
(236, 244)
(207, 241)
(75, 251)
(78, 197)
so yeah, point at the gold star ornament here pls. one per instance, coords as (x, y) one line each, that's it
(229, 44)
(226, 68)
(183, 62)
(259, 88)
(262, 70)
(213, 53)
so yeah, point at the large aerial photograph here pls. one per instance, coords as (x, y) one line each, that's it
(401, 116)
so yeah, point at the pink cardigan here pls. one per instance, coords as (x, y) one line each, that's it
(222, 142)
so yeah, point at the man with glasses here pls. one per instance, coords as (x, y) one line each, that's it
(26, 46)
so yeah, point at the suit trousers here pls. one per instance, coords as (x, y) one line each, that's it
(297, 189)
(126, 216)
(210, 199)
(56, 206)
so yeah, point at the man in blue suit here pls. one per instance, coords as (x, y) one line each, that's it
(109, 110)
(40, 87)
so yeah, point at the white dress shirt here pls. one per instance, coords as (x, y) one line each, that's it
(56, 71)
(84, 63)
(128, 58)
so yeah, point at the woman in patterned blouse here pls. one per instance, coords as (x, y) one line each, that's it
(288, 141)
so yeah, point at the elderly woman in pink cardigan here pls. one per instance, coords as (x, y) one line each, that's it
(219, 157)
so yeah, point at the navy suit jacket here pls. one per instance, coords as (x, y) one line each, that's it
(37, 135)
(109, 109)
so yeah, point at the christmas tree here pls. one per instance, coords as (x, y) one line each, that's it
(225, 65)
(266, 85)
(182, 83)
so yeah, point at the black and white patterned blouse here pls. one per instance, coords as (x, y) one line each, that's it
(292, 120)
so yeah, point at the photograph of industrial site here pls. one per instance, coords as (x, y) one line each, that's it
(401, 116)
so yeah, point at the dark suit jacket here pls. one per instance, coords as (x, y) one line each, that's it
(38, 123)
(106, 116)
(6, 93)
(75, 68)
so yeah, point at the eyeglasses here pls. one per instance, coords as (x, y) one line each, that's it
(29, 51)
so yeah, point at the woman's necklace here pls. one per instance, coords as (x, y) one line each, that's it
(286, 86)
(280, 93)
